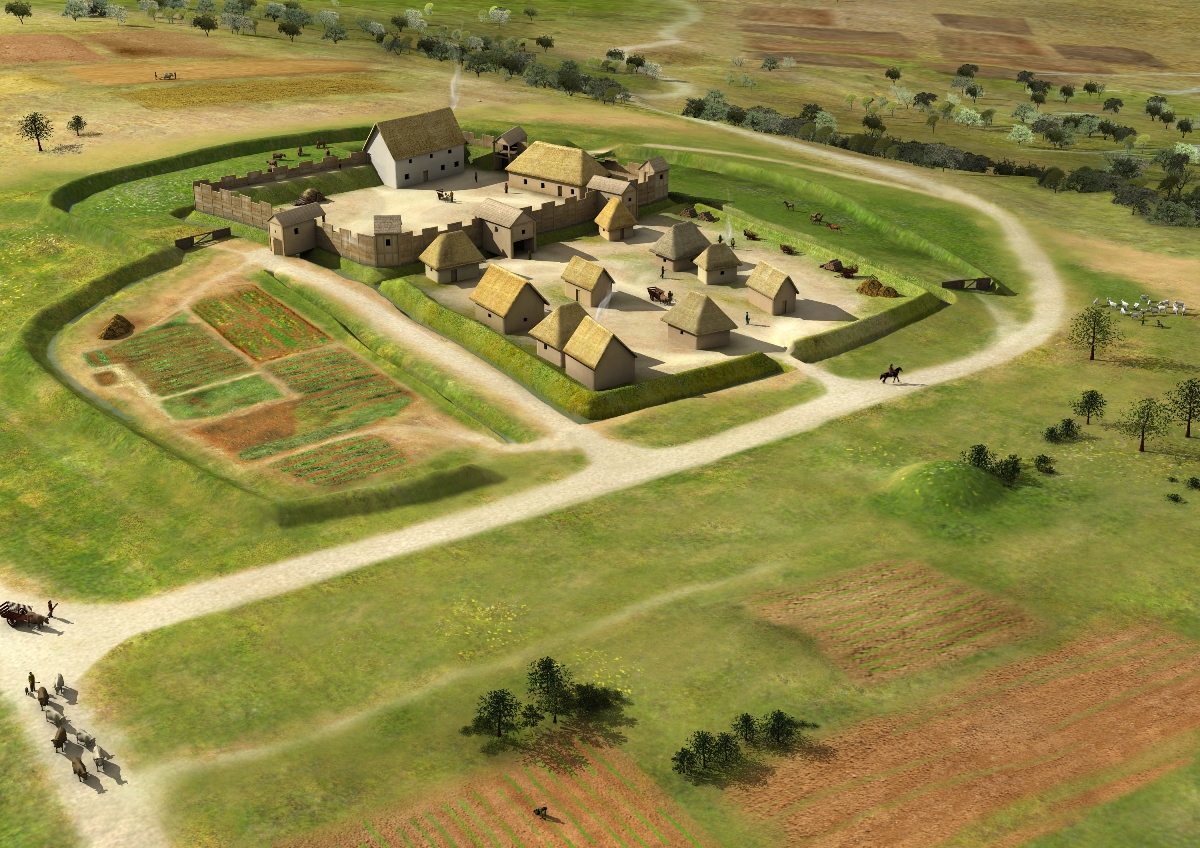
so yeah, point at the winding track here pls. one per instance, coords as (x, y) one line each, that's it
(126, 814)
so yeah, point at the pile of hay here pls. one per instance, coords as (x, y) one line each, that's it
(871, 287)
(310, 195)
(118, 327)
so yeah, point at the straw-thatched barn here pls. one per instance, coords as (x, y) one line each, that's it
(417, 148)
(771, 290)
(294, 230)
(586, 282)
(507, 147)
(554, 170)
(597, 358)
(717, 264)
(451, 258)
(615, 188)
(679, 246)
(506, 302)
(616, 221)
(697, 323)
(555, 330)
(507, 230)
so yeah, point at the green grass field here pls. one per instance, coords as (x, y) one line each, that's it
(29, 814)
(226, 397)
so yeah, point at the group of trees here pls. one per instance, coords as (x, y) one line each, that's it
(723, 755)
(37, 128)
(1006, 470)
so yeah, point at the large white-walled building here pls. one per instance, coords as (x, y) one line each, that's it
(416, 149)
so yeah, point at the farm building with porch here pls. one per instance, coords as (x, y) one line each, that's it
(507, 302)
(586, 282)
(616, 221)
(508, 147)
(555, 330)
(294, 229)
(697, 323)
(717, 264)
(597, 358)
(452, 258)
(417, 148)
(679, 246)
(771, 290)
(507, 230)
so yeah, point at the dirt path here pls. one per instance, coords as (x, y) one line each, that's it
(124, 814)
(669, 33)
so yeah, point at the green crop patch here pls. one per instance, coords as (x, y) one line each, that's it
(174, 358)
(342, 462)
(258, 324)
(218, 400)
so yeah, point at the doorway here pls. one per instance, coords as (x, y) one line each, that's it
(454, 275)
(424, 176)
(560, 191)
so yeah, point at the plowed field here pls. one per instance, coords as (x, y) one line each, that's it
(257, 324)
(342, 462)
(1079, 725)
(173, 358)
(890, 619)
(606, 802)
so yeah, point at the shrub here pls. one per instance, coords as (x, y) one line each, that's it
(1068, 429)
(1043, 464)
(1193, 483)
(1175, 497)
(1007, 470)
(979, 456)
(1051, 435)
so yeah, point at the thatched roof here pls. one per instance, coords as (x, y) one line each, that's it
(495, 212)
(566, 165)
(655, 165)
(767, 280)
(452, 249)
(557, 327)
(609, 185)
(697, 314)
(579, 272)
(682, 241)
(590, 342)
(499, 288)
(615, 216)
(297, 214)
(386, 224)
(716, 257)
(418, 135)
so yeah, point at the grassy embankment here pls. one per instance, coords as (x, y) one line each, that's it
(29, 814)
(1039, 546)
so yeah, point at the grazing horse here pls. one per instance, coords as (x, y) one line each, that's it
(791, 206)
(835, 227)
(79, 769)
(816, 217)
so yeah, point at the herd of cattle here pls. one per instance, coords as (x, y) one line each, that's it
(57, 716)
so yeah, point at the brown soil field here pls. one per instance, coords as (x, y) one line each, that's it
(22, 49)
(996, 45)
(855, 36)
(891, 619)
(266, 424)
(107, 378)
(1042, 732)
(1177, 274)
(1115, 55)
(132, 73)
(811, 17)
(603, 800)
(145, 44)
(978, 23)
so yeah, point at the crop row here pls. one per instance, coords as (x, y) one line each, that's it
(173, 358)
(342, 462)
(258, 324)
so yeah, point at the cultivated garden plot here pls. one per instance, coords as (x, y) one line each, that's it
(257, 324)
(1006, 756)
(892, 619)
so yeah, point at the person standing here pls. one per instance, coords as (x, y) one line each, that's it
(662, 272)
(747, 319)
(476, 176)
(32, 683)
(50, 605)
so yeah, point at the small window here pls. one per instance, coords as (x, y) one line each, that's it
(430, 155)
(543, 185)
(489, 315)
(522, 232)
(526, 319)
(406, 176)
(296, 231)
(545, 346)
(456, 163)
(410, 161)
(443, 167)
(660, 176)
(495, 229)
(387, 242)
(572, 191)
(526, 182)
(449, 151)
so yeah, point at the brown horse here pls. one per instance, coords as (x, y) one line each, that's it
(837, 228)
(893, 372)
(790, 206)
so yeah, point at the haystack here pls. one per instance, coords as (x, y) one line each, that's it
(871, 287)
(118, 327)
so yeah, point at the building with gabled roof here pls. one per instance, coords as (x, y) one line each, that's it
(294, 229)
(553, 169)
(555, 330)
(508, 230)
(451, 258)
(771, 290)
(610, 188)
(417, 148)
(680, 245)
(717, 264)
(507, 302)
(586, 282)
(697, 323)
(597, 358)
(508, 146)
(616, 221)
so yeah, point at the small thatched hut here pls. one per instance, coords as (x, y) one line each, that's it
(597, 358)
(697, 323)
(506, 302)
(586, 282)
(680, 245)
(771, 290)
(717, 264)
(555, 330)
(451, 257)
(616, 221)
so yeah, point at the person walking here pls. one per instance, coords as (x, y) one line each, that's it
(476, 176)
(732, 241)
(747, 319)
(670, 297)
(32, 684)
(662, 272)
(506, 188)
(720, 239)
(50, 605)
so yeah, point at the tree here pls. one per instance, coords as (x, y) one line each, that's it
(499, 15)
(1066, 92)
(289, 28)
(75, 9)
(569, 78)
(615, 54)
(36, 127)
(1167, 116)
(684, 761)
(974, 91)
(874, 125)
(334, 33)
(20, 10)
(1185, 126)
(745, 727)
(980, 457)
(326, 18)
(1147, 418)
(274, 11)
(477, 62)
(203, 6)
(1090, 405)
(118, 13)
(893, 74)
(208, 23)
(635, 61)
(1113, 104)
(544, 41)
(967, 71)
(1094, 329)
(1024, 112)
(932, 121)
(924, 100)
(1091, 87)
(1025, 77)
(780, 730)
(726, 750)
(703, 745)
(1184, 402)
(549, 684)
(531, 13)
(770, 63)
(498, 711)
(300, 17)
(76, 124)
(1021, 134)
(1038, 99)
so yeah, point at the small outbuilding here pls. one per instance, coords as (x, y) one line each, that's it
(616, 221)
(294, 229)
(615, 188)
(451, 258)
(555, 330)
(679, 246)
(717, 264)
(771, 290)
(697, 323)
(507, 302)
(508, 146)
(507, 230)
(597, 358)
(586, 282)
